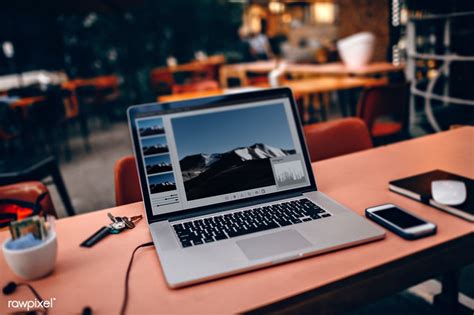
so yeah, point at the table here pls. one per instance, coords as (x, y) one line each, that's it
(302, 88)
(299, 87)
(195, 65)
(11, 81)
(329, 69)
(330, 283)
(24, 102)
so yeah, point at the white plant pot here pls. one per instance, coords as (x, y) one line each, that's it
(34, 262)
(356, 50)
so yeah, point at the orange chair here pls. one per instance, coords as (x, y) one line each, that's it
(385, 101)
(337, 137)
(28, 191)
(127, 184)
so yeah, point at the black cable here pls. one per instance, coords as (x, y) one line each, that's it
(127, 276)
(11, 286)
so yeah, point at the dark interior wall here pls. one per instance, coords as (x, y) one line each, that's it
(36, 39)
(366, 16)
(148, 34)
(129, 41)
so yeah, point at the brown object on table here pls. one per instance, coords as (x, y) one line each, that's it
(28, 191)
(337, 137)
(127, 184)
(329, 283)
(385, 101)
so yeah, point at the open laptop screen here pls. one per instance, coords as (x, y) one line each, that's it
(214, 155)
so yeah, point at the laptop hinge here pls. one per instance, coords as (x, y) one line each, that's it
(235, 206)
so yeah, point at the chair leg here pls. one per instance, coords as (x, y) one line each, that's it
(322, 107)
(61, 187)
(341, 102)
(352, 101)
(65, 142)
(312, 110)
(447, 301)
(83, 125)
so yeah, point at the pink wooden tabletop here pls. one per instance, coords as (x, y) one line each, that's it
(95, 276)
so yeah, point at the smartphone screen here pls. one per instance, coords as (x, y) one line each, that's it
(398, 217)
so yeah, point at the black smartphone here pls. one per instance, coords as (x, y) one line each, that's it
(400, 221)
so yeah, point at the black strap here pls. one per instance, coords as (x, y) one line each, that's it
(9, 217)
(35, 207)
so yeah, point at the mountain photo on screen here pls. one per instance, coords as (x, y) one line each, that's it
(158, 164)
(230, 150)
(151, 127)
(154, 145)
(161, 183)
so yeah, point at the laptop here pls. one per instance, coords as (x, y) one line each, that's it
(228, 187)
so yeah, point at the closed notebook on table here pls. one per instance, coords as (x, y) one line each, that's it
(418, 187)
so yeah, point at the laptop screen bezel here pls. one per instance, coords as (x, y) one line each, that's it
(160, 109)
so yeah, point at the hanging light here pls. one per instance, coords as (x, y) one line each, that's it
(324, 12)
(276, 7)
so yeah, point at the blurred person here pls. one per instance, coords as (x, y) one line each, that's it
(244, 47)
(260, 46)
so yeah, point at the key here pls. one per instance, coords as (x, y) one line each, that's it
(96, 237)
(117, 227)
(113, 228)
(128, 222)
(111, 217)
(136, 218)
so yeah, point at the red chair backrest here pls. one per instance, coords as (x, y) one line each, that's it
(127, 184)
(385, 100)
(29, 192)
(338, 137)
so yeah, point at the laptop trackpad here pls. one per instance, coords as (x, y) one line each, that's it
(272, 244)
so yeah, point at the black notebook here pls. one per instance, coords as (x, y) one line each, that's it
(418, 187)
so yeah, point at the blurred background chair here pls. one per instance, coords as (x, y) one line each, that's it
(161, 81)
(384, 109)
(98, 97)
(127, 184)
(338, 137)
(15, 169)
(10, 128)
(28, 191)
(44, 123)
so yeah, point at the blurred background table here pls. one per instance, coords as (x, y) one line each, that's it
(241, 70)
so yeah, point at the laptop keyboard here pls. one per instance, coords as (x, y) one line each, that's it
(244, 222)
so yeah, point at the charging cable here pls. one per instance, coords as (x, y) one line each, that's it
(11, 286)
(127, 277)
